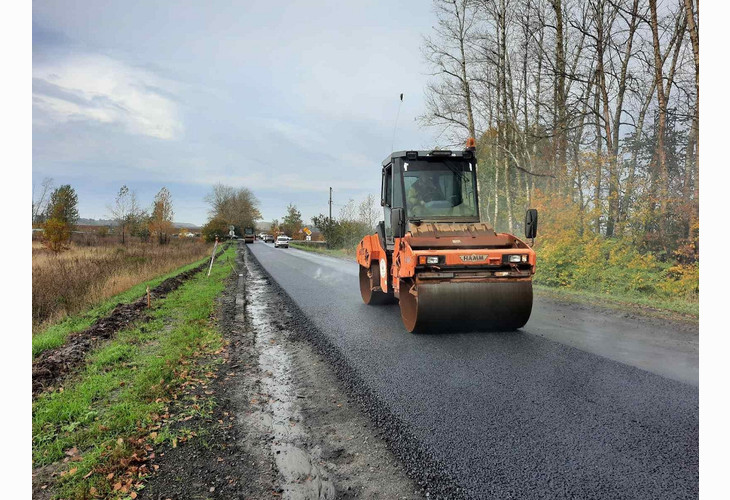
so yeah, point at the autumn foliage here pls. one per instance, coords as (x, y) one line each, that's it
(56, 234)
(581, 260)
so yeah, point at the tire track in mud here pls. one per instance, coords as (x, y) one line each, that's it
(322, 445)
(301, 476)
(50, 366)
(428, 475)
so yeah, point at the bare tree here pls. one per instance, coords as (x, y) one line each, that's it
(125, 211)
(236, 206)
(449, 98)
(40, 201)
(369, 211)
(565, 97)
(663, 90)
(692, 13)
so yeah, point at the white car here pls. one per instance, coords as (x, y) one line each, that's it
(282, 241)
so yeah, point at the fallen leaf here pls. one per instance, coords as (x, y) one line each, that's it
(110, 476)
(133, 495)
(117, 486)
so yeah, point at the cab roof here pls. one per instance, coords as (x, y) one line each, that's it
(430, 155)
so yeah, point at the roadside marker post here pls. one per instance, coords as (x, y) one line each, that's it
(212, 256)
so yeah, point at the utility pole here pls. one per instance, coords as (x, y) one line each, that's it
(330, 203)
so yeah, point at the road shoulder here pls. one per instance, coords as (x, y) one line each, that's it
(280, 421)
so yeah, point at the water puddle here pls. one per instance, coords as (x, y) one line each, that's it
(300, 475)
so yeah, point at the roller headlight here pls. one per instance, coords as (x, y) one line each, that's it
(430, 260)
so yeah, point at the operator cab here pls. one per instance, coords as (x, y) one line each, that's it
(428, 186)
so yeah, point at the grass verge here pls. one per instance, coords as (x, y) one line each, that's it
(649, 306)
(55, 335)
(97, 430)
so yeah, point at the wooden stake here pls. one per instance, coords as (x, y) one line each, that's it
(213, 256)
(149, 301)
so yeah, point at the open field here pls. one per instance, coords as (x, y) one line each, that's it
(85, 276)
(106, 417)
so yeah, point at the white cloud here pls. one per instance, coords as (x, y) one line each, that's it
(101, 89)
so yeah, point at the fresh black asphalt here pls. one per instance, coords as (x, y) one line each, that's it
(497, 415)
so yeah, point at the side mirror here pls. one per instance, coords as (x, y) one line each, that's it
(397, 222)
(531, 223)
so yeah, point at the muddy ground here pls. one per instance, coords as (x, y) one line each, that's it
(282, 425)
(51, 366)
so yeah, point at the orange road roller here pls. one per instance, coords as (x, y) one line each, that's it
(433, 254)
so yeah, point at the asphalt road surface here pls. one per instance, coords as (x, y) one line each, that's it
(579, 403)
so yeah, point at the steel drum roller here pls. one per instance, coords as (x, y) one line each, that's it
(466, 305)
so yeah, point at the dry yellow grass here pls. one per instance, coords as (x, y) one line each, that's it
(83, 276)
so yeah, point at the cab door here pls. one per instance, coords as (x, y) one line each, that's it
(386, 199)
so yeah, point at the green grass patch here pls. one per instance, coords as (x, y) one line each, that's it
(55, 335)
(126, 385)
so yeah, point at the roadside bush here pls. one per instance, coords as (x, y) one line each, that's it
(568, 259)
(341, 233)
(56, 234)
(216, 226)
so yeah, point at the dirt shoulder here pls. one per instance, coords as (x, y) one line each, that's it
(281, 424)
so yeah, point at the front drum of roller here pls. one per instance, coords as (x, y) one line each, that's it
(465, 305)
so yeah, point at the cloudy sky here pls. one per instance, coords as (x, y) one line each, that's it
(285, 98)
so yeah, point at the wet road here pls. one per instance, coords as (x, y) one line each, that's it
(577, 404)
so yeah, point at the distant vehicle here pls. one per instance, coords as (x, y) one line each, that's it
(282, 241)
(248, 235)
(268, 238)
